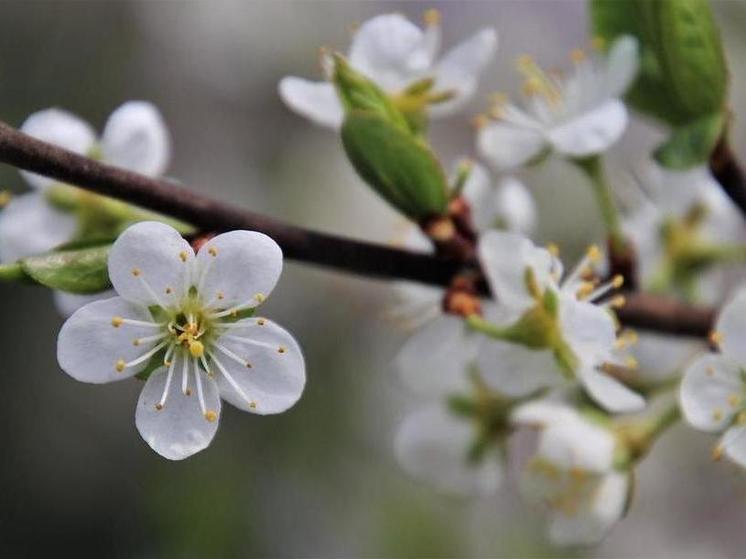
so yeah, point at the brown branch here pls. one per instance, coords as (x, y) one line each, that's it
(728, 172)
(300, 244)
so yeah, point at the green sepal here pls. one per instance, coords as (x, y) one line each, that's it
(153, 364)
(691, 145)
(400, 167)
(82, 271)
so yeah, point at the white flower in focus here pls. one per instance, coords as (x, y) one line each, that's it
(395, 53)
(576, 116)
(182, 314)
(433, 444)
(551, 327)
(713, 390)
(572, 473)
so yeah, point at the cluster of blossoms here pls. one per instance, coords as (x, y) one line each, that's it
(545, 352)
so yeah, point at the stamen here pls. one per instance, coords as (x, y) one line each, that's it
(577, 55)
(716, 338)
(232, 381)
(162, 402)
(615, 283)
(183, 255)
(200, 393)
(734, 400)
(249, 341)
(117, 321)
(169, 354)
(585, 265)
(121, 365)
(232, 355)
(147, 339)
(431, 17)
(185, 378)
(148, 288)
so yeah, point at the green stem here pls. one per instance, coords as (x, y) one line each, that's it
(478, 324)
(12, 273)
(593, 168)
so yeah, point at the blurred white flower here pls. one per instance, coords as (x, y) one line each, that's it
(575, 116)
(572, 473)
(135, 138)
(550, 327)
(433, 445)
(395, 53)
(182, 315)
(713, 390)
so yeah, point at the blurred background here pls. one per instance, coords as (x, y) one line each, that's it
(320, 480)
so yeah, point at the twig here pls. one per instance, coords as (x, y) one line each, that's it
(300, 244)
(728, 172)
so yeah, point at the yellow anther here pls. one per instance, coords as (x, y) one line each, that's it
(167, 363)
(137, 272)
(5, 198)
(188, 392)
(480, 121)
(585, 289)
(183, 255)
(281, 349)
(717, 414)
(532, 86)
(553, 249)
(734, 400)
(741, 419)
(249, 365)
(117, 321)
(631, 362)
(577, 55)
(120, 365)
(212, 251)
(717, 452)
(618, 281)
(169, 291)
(525, 61)
(499, 98)
(252, 405)
(196, 349)
(598, 43)
(716, 338)
(496, 112)
(260, 298)
(220, 296)
(594, 254)
(431, 17)
(135, 342)
(260, 322)
(159, 406)
(710, 371)
(211, 416)
(618, 302)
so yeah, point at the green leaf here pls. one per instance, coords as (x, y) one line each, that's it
(691, 145)
(75, 271)
(154, 363)
(397, 165)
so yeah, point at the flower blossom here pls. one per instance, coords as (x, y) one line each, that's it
(396, 54)
(187, 320)
(573, 474)
(134, 137)
(713, 389)
(575, 116)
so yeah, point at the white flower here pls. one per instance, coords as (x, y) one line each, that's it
(678, 229)
(433, 444)
(394, 53)
(442, 346)
(576, 116)
(533, 298)
(572, 473)
(713, 390)
(182, 313)
(134, 137)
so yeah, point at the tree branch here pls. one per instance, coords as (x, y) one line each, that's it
(300, 244)
(727, 171)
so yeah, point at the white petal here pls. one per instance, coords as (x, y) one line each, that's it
(609, 392)
(591, 525)
(577, 443)
(149, 264)
(459, 70)
(591, 132)
(540, 413)
(62, 129)
(277, 375)
(515, 370)
(136, 138)
(68, 303)
(731, 323)
(734, 443)
(587, 328)
(179, 429)
(707, 387)
(479, 193)
(622, 63)
(515, 206)
(507, 146)
(660, 356)
(239, 268)
(390, 50)
(30, 225)
(90, 345)
(316, 101)
(432, 445)
(505, 257)
(434, 360)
